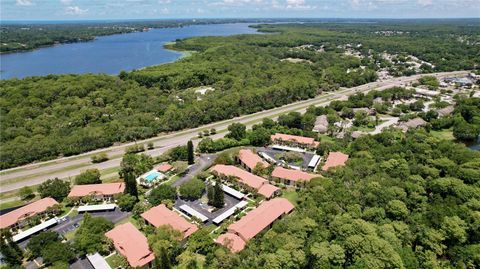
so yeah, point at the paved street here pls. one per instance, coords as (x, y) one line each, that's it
(37, 173)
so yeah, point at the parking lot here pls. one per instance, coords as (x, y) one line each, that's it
(273, 153)
(207, 210)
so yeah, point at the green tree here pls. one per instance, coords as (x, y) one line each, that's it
(126, 202)
(218, 195)
(237, 131)
(165, 244)
(191, 155)
(12, 254)
(179, 153)
(57, 252)
(90, 176)
(90, 236)
(192, 189)
(38, 242)
(161, 193)
(130, 184)
(136, 164)
(55, 188)
(259, 137)
(26, 193)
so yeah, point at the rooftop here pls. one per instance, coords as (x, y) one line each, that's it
(12, 217)
(267, 190)
(335, 159)
(97, 189)
(161, 215)
(132, 244)
(164, 167)
(231, 241)
(293, 175)
(245, 177)
(260, 218)
(250, 159)
(294, 138)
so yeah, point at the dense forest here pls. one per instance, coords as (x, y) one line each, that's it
(403, 201)
(55, 115)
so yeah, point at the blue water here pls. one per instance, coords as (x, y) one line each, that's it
(152, 176)
(110, 54)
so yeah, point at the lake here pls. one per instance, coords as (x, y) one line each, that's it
(110, 54)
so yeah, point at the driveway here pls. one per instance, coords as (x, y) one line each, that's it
(202, 162)
(72, 223)
(380, 127)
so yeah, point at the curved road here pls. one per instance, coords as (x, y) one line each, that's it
(33, 174)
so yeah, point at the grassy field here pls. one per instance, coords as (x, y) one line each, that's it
(446, 134)
(291, 196)
(115, 261)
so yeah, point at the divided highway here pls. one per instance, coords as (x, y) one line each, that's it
(33, 174)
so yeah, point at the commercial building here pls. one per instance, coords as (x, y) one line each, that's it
(97, 191)
(161, 215)
(18, 217)
(249, 160)
(335, 159)
(132, 244)
(292, 177)
(247, 179)
(257, 220)
(294, 141)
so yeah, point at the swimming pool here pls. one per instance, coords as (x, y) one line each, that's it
(152, 176)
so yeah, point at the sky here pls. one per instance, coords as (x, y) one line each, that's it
(171, 9)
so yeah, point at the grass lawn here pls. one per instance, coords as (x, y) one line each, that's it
(10, 204)
(115, 261)
(70, 235)
(325, 138)
(291, 196)
(446, 134)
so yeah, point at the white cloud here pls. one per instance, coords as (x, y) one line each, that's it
(24, 3)
(164, 1)
(66, 2)
(75, 10)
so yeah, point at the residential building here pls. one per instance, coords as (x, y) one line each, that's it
(132, 244)
(292, 177)
(294, 141)
(321, 124)
(104, 191)
(248, 159)
(257, 220)
(412, 124)
(248, 180)
(442, 112)
(335, 159)
(19, 217)
(161, 215)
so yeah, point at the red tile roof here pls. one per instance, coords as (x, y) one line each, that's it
(293, 175)
(164, 167)
(260, 218)
(132, 244)
(231, 241)
(245, 177)
(96, 189)
(258, 183)
(250, 159)
(12, 217)
(267, 190)
(161, 215)
(295, 138)
(335, 159)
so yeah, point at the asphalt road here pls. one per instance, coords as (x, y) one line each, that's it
(34, 174)
(202, 162)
